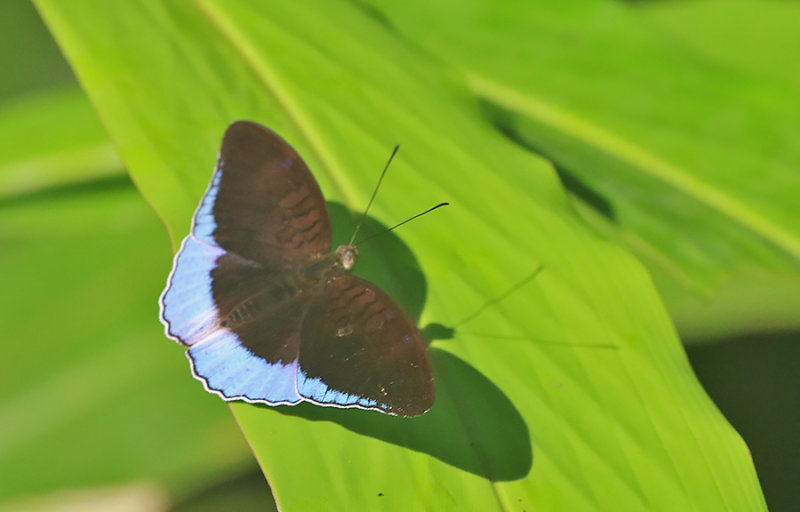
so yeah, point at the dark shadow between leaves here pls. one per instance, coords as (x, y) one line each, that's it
(472, 425)
(506, 122)
(754, 379)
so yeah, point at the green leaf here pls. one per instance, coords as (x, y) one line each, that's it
(560, 381)
(37, 151)
(756, 37)
(690, 164)
(89, 398)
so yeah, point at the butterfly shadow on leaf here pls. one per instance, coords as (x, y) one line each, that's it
(472, 425)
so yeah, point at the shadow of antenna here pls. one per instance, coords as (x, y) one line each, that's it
(437, 331)
(500, 298)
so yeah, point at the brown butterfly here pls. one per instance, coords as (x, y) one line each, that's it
(269, 313)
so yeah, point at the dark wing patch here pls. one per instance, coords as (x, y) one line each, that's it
(264, 203)
(359, 348)
(261, 305)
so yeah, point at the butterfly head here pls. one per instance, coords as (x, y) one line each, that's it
(348, 254)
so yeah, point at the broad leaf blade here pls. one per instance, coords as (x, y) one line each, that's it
(756, 37)
(568, 390)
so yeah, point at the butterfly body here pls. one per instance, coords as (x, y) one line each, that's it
(270, 314)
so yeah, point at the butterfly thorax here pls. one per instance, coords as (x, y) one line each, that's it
(319, 268)
(284, 286)
(347, 255)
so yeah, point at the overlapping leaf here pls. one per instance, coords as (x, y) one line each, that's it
(687, 158)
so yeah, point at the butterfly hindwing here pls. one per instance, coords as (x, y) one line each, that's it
(227, 368)
(359, 348)
(263, 306)
(241, 320)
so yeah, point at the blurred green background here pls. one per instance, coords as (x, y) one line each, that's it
(81, 423)
(95, 407)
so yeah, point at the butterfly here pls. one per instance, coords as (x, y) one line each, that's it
(268, 312)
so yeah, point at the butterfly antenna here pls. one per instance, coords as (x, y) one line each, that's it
(407, 220)
(374, 193)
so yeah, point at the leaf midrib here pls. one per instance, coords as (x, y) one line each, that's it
(637, 156)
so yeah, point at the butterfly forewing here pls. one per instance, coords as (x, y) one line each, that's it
(264, 204)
